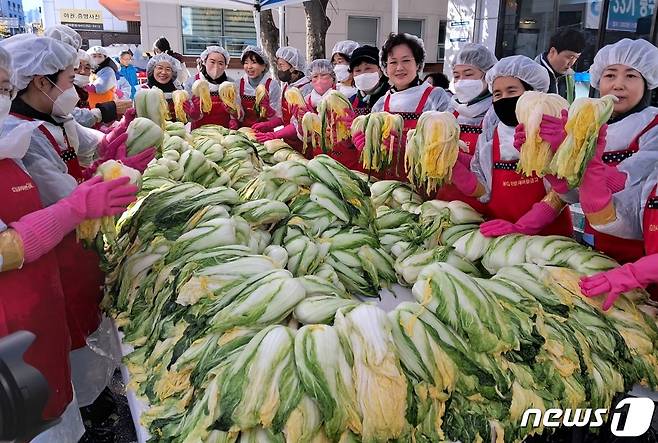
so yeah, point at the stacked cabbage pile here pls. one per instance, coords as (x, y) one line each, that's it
(250, 308)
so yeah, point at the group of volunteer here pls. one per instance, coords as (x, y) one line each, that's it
(55, 100)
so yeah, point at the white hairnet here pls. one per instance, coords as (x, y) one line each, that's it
(346, 47)
(34, 56)
(477, 55)
(64, 34)
(97, 50)
(163, 58)
(256, 50)
(215, 49)
(417, 40)
(293, 56)
(521, 67)
(6, 64)
(320, 66)
(83, 56)
(637, 54)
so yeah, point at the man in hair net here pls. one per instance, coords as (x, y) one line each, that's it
(516, 203)
(341, 55)
(609, 192)
(472, 100)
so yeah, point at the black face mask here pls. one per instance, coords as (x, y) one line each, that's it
(285, 76)
(505, 109)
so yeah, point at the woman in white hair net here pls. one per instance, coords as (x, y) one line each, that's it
(516, 203)
(44, 70)
(262, 113)
(323, 79)
(470, 103)
(402, 58)
(162, 72)
(213, 63)
(609, 192)
(291, 67)
(341, 55)
(103, 82)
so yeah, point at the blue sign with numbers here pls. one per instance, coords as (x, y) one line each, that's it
(624, 14)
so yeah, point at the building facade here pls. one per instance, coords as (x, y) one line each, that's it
(95, 23)
(190, 29)
(12, 16)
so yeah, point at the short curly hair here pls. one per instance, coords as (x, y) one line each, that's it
(403, 39)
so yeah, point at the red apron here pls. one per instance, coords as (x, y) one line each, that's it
(513, 194)
(396, 171)
(621, 249)
(218, 115)
(31, 297)
(360, 110)
(469, 134)
(68, 156)
(248, 102)
(286, 111)
(650, 229)
(344, 152)
(79, 269)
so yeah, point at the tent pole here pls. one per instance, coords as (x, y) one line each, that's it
(282, 26)
(395, 11)
(259, 41)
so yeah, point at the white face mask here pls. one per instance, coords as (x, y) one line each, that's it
(65, 103)
(466, 90)
(342, 72)
(81, 80)
(5, 105)
(367, 81)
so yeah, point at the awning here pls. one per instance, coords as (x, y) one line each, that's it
(127, 10)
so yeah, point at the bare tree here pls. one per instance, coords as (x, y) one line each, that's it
(317, 24)
(269, 34)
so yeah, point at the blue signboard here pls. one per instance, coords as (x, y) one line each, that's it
(624, 14)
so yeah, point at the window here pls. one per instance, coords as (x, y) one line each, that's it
(208, 26)
(411, 26)
(441, 53)
(363, 30)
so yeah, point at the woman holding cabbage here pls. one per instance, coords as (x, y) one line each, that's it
(162, 71)
(58, 150)
(32, 297)
(260, 94)
(214, 61)
(517, 203)
(470, 103)
(627, 70)
(403, 58)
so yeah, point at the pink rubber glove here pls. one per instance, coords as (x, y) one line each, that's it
(287, 131)
(234, 124)
(139, 161)
(552, 129)
(519, 136)
(559, 185)
(531, 223)
(42, 230)
(90, 89)
(109, 151)
(267, 126)
(262, 137)
(600, 181)
(193, 108)
(623, 279)
(464, 179)
(359, 140)
(119, 129)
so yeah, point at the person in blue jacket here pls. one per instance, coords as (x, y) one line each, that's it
(129, 71)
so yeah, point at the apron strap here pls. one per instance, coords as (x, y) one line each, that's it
(242, 86)
(423, 99)
(387, 102)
